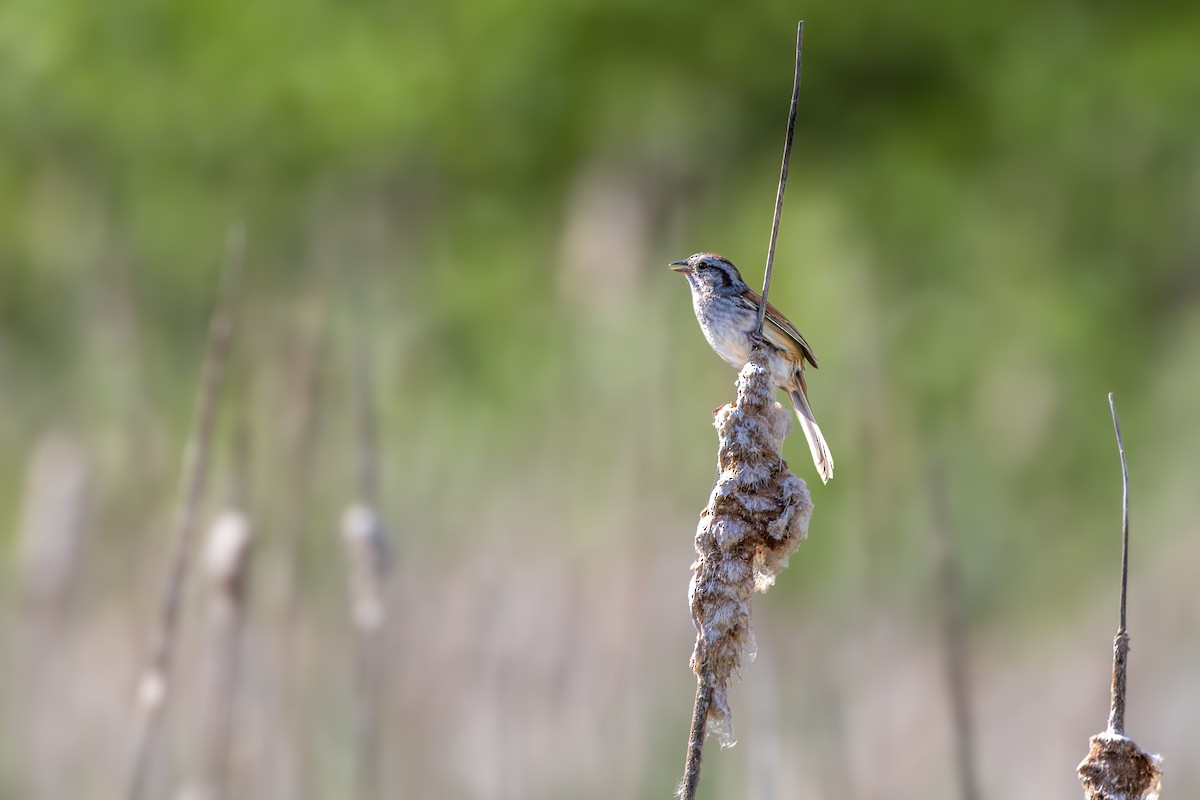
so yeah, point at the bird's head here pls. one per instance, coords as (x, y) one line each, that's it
(711, 273)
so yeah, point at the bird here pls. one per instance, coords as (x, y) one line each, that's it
(727, 310)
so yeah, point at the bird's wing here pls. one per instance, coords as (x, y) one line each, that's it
(779, 330)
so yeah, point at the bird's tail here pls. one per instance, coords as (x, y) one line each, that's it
(816, 442)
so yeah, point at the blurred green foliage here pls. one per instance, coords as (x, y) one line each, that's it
(991, 223)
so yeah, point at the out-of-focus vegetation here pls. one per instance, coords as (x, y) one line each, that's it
(991, 222)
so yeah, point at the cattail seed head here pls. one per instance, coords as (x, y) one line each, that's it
(1117, 769)
(367, 550)
(756, 517)
(226, 554)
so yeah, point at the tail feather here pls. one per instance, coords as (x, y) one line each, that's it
(821, 456)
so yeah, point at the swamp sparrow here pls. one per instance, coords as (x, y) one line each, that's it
(727, 310)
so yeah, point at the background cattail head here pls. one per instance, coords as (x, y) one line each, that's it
(226, 555)
(369, 559)
(1117, 769)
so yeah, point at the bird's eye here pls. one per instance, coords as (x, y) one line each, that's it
(708, 265)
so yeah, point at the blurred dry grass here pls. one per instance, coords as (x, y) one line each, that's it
(538, 628)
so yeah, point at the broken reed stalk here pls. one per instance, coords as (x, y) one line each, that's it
(153, 686)
(1115, 768)
(753, 419)
(368, 558)
(953, 639)
(756, 517)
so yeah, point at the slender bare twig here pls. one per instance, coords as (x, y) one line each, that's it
(1116, 716)
(153, 687)
(953, 639)
(1115, 768)
(783, 172)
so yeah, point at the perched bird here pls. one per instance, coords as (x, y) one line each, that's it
(727, 310)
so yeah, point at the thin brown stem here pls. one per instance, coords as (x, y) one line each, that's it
(1124, 510)
(953, 635)
(368, 457)
(154, 686)
(1115, 767)
(370, 713)
(303, 420)
(783, 173)
(691, 767)
(369, 562)
(227, 560)
(1116, 714)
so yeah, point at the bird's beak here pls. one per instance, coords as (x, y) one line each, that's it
(681, 266)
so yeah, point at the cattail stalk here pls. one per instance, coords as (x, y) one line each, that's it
(368, 559)
(154, 685)
(301, 433)
(1115, 768)
(953, 640)
(783, 174)
(226, 562)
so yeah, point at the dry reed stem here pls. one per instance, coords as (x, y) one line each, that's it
(304, 388)
(783, 174)
(691, 774)
(953, 640)
(153, 687)
(1116, 715)
(756, 517)
(226, 563)
(366, 550)
(1115, 768)
(368, 559)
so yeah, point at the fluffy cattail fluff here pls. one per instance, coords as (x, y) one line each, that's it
(226, 557)
(1117, 769)
(226, 565)
(756, 517)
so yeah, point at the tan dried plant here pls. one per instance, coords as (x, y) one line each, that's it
(756, 517)
(1116, 768)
